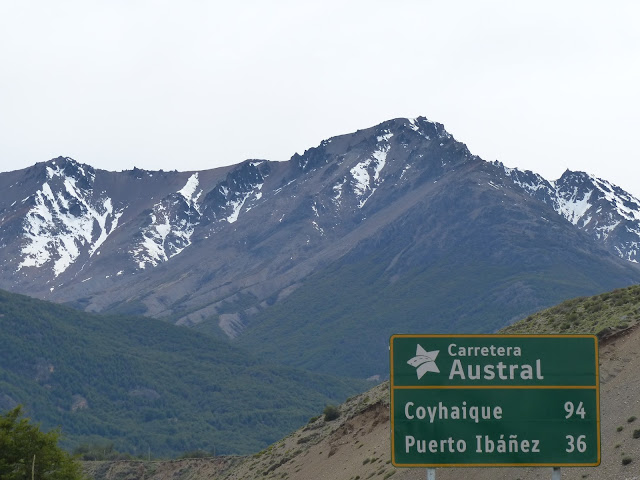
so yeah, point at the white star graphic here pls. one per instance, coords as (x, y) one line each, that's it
(424, 361)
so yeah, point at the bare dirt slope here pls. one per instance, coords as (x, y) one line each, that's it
(356, 446)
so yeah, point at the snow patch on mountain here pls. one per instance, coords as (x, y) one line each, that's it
(366, 174)
(414, 124)
(384, 137)
(237, 204)
(528, 181)
(573, 205)
(625, 204)
(337, 191)
(594, 205)
(172, 222)
(63, 224)
(189, 191)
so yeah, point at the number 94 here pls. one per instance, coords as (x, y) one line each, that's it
(572, 410)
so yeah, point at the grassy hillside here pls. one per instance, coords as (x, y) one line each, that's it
(601, 314)
(146, 385)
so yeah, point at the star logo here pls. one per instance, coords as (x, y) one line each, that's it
(424, 361)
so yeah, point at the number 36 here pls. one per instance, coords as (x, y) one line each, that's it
(574, 444)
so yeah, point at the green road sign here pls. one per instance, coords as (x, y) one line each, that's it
(494, 400)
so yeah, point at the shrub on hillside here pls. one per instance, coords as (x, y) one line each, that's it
(331, 412)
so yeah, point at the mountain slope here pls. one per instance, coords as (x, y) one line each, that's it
(363, 235)
(357, 444)
(145, 384)
(465, 259)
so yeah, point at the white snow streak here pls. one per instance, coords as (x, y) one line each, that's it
(169, 233)
(619, 202)
(573, 208)
(236, 206)
(189, 191)
(337, 189)
(55, 234)
(363, 181)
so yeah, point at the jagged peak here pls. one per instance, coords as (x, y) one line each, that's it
(573, 176)
(69, 168)
(314, 157)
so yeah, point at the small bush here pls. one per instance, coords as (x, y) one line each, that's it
(331, 412)
(626, 460)
(620, 428)
(631, 419)
(636, 433)
(195, 454)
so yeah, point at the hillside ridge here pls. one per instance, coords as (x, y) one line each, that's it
(357, 444)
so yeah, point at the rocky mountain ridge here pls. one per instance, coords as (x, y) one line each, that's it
(364, 233)
(596, 206)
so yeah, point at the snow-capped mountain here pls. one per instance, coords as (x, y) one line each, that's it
(596, 206)
(172, 222)
(397, 227)
(59, 225)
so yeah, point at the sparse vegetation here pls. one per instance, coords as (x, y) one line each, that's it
(601, 315)
(197, 454)
(99, 451)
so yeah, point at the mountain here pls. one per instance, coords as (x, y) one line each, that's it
(608, 213)
(148, 386)
(357, 444)
(315, 261)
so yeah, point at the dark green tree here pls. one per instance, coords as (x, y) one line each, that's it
(26, 452)
(331, 412)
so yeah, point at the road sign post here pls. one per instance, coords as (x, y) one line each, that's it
(494, 400)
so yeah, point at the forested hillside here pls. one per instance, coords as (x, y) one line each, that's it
(146, 385)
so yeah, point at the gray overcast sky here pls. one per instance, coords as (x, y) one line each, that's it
(193, 84)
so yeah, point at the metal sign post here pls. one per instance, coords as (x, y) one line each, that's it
(494, 400)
